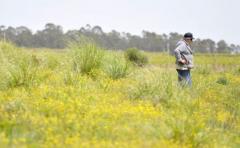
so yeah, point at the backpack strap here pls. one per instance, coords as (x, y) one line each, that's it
(188, 47)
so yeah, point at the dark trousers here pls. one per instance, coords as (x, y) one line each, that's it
(184, 77)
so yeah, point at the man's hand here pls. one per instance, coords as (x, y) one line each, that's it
(183, 61)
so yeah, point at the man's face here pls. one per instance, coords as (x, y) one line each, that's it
(189, 40)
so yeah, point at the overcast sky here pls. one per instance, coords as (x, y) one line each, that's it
(215, 19)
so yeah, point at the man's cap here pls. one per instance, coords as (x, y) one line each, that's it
(188, 35)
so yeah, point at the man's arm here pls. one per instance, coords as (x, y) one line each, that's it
(178, 55)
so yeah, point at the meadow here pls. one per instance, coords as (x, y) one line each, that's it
(86, 96)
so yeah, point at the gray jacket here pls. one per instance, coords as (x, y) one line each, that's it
(183, 51)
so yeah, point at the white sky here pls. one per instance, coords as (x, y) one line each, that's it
(215, 19)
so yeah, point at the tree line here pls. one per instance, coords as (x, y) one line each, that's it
(53, 36)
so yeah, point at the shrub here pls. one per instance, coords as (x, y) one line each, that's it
(222, 80)
(136, 56)
(86, 56)
(17, 68)
(116, 67)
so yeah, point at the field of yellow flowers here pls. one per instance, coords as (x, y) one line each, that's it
(46, 102)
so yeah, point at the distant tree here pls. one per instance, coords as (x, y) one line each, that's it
(204, 46)
(2, 32)
(166, 43)
(72, 35)
(115, 40)
(10, 34)
(197, 45)
(97, 30)
(211, 45)
(134, 41)
(24, 37)
(52, 37)
(222, 46)
(99, 36)
(173, 39)
(152, 41)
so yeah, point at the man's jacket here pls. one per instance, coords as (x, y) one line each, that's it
(183, 51)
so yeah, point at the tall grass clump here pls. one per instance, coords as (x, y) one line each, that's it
(136, 56)
(115, 66)
(222, 80)
(155, 86)
(86, 56)
(50, 61)
(203, 70)
(17, 68)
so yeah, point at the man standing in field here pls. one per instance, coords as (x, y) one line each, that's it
(184, 59)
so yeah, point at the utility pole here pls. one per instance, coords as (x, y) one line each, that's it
(2, 29)
(168, 47)
(4, 37)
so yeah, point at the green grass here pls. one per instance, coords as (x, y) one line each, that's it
(116, 105)
(115, 66)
